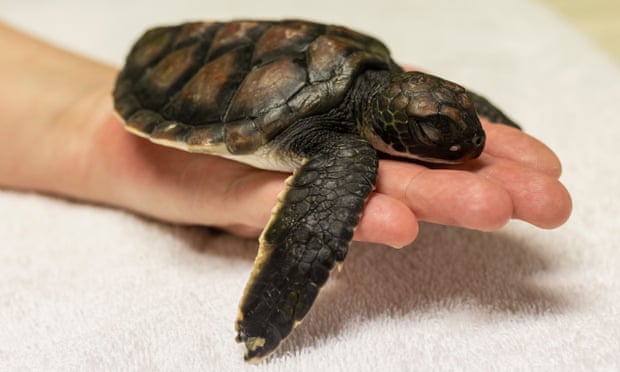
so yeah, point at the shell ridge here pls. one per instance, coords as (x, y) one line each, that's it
(185, 78)
(174, 30)
(225, 117)
(226, 111)
(173, 97)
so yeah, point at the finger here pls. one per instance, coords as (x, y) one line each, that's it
(446, 196)
(387, 221)
(412, 68)
(243, 230)
(195, 188)
(537, 197)
(510, 143)
(251, 195)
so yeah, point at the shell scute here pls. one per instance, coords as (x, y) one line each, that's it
(267, 87)
(159, 82)
(326, 57)
(144, 121)
(235, 34)
(150, 48)
(286, 39)
(205, 97)
(193, 32)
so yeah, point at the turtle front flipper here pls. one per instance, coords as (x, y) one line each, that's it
(309, 231)
(488, 110)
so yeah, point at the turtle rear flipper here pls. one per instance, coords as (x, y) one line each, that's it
(488, 110)
(309, 231)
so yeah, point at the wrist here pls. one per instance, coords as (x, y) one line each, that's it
(51, 103)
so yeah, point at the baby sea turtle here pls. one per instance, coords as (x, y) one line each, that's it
(318, 100)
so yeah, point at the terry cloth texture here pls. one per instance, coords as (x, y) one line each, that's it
(96, 289)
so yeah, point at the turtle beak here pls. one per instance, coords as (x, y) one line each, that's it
(473, 147)
(468, 149)
(477, 143)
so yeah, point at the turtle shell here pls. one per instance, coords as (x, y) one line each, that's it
(228, 88)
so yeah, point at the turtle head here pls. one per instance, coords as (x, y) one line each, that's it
(424, 117)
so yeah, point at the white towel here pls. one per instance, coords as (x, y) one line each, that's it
(90, 288)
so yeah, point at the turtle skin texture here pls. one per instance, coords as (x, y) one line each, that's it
(320, 101)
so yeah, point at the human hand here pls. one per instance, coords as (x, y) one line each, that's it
(83, 153)
(516, 177)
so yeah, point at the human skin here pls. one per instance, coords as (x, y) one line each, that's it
(59, 135)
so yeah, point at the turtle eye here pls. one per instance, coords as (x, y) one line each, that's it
(437, 129)
(430, 131)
